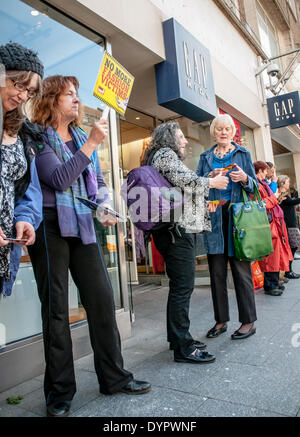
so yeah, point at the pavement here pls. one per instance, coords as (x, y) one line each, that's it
(255, 377)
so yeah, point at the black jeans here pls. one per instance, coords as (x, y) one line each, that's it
(179, 256)
(242, 278)
(52, 256)
(271, 281)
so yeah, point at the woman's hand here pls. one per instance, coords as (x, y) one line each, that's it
(2, 241)
(239, 175)
(215, 172)
(219, 182)
(105, 218)
(99, 132)
(97, 135)
(25, 231)
(211, 207)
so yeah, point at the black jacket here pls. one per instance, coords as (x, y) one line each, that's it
(288, 207)
(31, 136)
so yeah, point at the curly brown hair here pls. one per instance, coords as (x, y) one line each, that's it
(14, 119)
(44, 110)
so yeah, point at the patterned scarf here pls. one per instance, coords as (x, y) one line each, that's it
(277, 211)
(75, 219)
(13, 167)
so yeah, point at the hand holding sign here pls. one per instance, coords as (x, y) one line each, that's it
(99, 130)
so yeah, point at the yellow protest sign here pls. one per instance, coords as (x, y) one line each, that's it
(114, 84)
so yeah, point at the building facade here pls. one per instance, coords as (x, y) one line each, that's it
(237, 37)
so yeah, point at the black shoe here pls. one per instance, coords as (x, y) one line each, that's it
(237, 335)
(281, 287)
(200, 357)
(291, 275)
(59, 409)
(135, 387)
(196, 343)
(274, 292)
(213, 332)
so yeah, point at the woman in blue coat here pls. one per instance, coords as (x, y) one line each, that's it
(20, 192)
(219, 242)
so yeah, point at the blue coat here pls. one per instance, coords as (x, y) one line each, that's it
(214, 240)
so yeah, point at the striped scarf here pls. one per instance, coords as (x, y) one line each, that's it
(74, 218)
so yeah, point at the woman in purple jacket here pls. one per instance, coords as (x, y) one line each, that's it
(68, 167)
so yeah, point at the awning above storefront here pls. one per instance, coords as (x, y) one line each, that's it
(287, 137)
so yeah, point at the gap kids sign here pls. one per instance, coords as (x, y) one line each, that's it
(284, 110)
(184, 81)
(114, 84)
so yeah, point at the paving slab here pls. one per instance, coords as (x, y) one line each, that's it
(217, 408)
(87, 390)
(159, 402)
(251, 386)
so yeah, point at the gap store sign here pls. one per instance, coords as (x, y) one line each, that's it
(184, 81)
(284, 110)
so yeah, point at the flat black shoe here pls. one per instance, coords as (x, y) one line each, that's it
(274, 292)
(237, 335)
(196, 343)
(292, 275)
(135, 387)
(281, 287)
(200, 357)
(213, 332)
(59, 409)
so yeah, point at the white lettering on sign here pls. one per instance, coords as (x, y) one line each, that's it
(197, 81)
(187, 60)
(284, 110)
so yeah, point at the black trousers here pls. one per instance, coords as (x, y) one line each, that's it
(52, 256)
(242, 279)
(271, 281)
(178, 251)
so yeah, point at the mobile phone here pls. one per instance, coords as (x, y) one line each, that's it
(17, 240)
(218, 202)
(94, 206)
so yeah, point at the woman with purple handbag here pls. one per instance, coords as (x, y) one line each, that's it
(176, 242)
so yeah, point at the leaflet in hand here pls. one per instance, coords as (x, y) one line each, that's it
(218, 202)
(94, 206)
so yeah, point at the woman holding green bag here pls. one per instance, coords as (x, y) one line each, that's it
(219, 242)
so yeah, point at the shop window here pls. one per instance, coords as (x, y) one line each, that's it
(66, 48)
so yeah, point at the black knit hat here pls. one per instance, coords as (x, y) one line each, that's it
(16, 57)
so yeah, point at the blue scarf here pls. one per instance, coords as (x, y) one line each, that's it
(74, 218)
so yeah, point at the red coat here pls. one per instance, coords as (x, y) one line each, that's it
(279, 259)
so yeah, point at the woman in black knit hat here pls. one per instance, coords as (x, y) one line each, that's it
(21, 76)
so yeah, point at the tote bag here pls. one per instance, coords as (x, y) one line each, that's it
(252, 235)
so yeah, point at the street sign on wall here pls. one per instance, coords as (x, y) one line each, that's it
(184, 81)
(284, 110)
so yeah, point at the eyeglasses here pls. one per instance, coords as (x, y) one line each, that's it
(21, 87)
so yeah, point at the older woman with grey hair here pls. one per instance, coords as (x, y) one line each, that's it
(288, 206)
(177, 244)
(219, 242)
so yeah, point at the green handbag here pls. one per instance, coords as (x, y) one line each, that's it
(252, 237)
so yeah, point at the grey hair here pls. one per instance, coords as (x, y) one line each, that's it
(222, 120)
(282, 180)
(165, 135)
